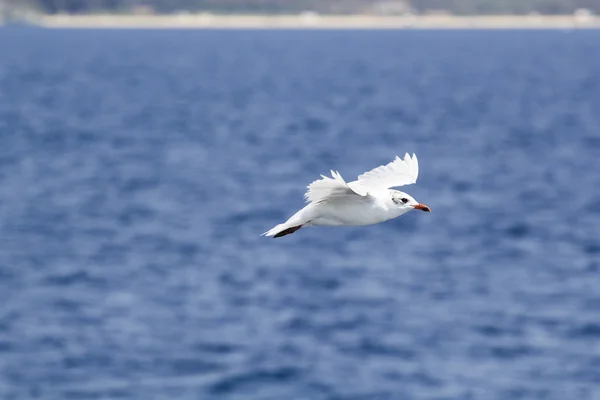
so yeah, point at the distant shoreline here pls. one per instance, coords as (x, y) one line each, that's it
(315, 21)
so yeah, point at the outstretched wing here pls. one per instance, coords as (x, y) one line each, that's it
(397, 173)
(327, 188)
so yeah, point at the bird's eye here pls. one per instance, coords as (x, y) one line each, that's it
(404, 200)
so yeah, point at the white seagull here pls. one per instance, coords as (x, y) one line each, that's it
(368, 200)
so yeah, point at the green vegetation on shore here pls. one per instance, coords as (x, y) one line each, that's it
(458, 7)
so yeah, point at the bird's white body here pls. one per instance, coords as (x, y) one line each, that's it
(347, 213)
(366, 201)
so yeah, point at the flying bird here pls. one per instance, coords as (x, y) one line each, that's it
(365, 201)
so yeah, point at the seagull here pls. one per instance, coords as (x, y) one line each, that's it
(365, 201)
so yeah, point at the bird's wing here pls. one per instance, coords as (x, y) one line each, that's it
(397, 173)
(327, 188)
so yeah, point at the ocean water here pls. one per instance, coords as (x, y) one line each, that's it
(138, 169)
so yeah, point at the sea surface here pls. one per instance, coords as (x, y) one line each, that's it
(139, 168)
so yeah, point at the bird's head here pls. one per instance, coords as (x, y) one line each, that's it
(406, 203)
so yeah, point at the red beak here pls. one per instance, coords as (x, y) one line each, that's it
(422, 207)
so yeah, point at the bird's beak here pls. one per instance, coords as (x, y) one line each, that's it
(422, 207)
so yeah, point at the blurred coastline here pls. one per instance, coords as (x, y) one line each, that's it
(311, 20)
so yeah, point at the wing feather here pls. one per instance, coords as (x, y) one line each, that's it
(399, 172)
(327, 188)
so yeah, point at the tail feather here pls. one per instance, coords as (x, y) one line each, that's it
(295, 222)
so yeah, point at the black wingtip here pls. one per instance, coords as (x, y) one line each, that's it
(288, 231)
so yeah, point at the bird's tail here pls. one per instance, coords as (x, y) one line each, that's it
(294, 223)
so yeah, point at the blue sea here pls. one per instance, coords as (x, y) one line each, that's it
(139, 168)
